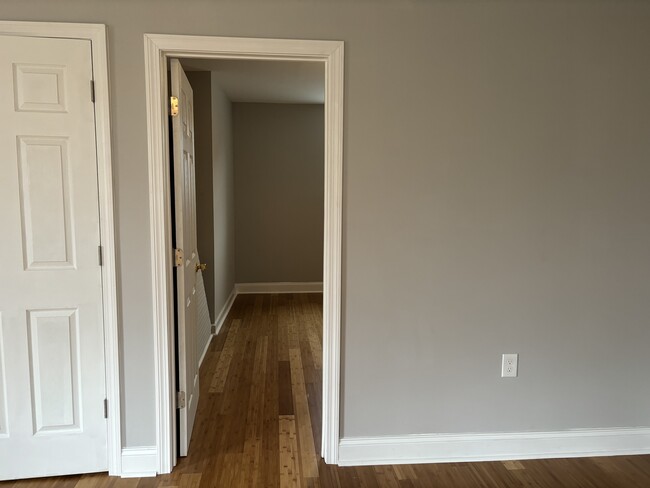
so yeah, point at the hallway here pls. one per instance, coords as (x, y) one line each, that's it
(259, 411)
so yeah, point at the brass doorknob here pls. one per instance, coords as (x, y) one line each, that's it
(200, 266)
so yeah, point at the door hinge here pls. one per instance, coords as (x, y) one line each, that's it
(173, 106)
(101, 255)
(180, 399)
(92, 91)
(178, 257)
(105, 408)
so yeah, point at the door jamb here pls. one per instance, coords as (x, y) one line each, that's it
(96, 34)
(158, 48)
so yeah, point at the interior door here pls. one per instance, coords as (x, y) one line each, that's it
(52, 386)
(187, 263)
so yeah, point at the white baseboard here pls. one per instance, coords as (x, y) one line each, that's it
(139, 462)
(221, 318)
(205, 349)
(225, 310)
(446, 448)
(280, 287)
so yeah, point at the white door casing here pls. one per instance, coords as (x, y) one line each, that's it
(159, 48)
(187, 261)
(51, 316)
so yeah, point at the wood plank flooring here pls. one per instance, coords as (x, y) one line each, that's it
(258, 423)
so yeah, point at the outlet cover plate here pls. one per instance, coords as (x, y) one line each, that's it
(509, 365)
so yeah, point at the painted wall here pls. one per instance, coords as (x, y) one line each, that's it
(495, 200)
(223, 183)
(278, 154)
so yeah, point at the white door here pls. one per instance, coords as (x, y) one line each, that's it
(52, 385)
(185, 241)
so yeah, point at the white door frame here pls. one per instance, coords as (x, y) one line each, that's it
(158, 48)
(96, 34)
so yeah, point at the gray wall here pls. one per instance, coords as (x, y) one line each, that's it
(495, 200)
(224, 199)
(201, 82)
(278, 153)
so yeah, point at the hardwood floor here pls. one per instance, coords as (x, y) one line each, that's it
(258, 423)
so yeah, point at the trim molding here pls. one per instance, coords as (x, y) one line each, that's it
(448, 448)
(139, 462)
(205, 349)
(97, 35)
(221, 318)
(279, 287)
(157, 49)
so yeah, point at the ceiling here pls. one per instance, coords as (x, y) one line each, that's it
(265, 81)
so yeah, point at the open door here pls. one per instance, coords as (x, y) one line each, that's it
(187, 264)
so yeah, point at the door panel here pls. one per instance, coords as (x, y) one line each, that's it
(39, 88)
(52, 385)
(54, 375)
(45, 202)
(185, 239)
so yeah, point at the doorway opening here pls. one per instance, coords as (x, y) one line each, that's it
(159, 50)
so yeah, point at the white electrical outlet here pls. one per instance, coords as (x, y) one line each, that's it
(509, 363)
